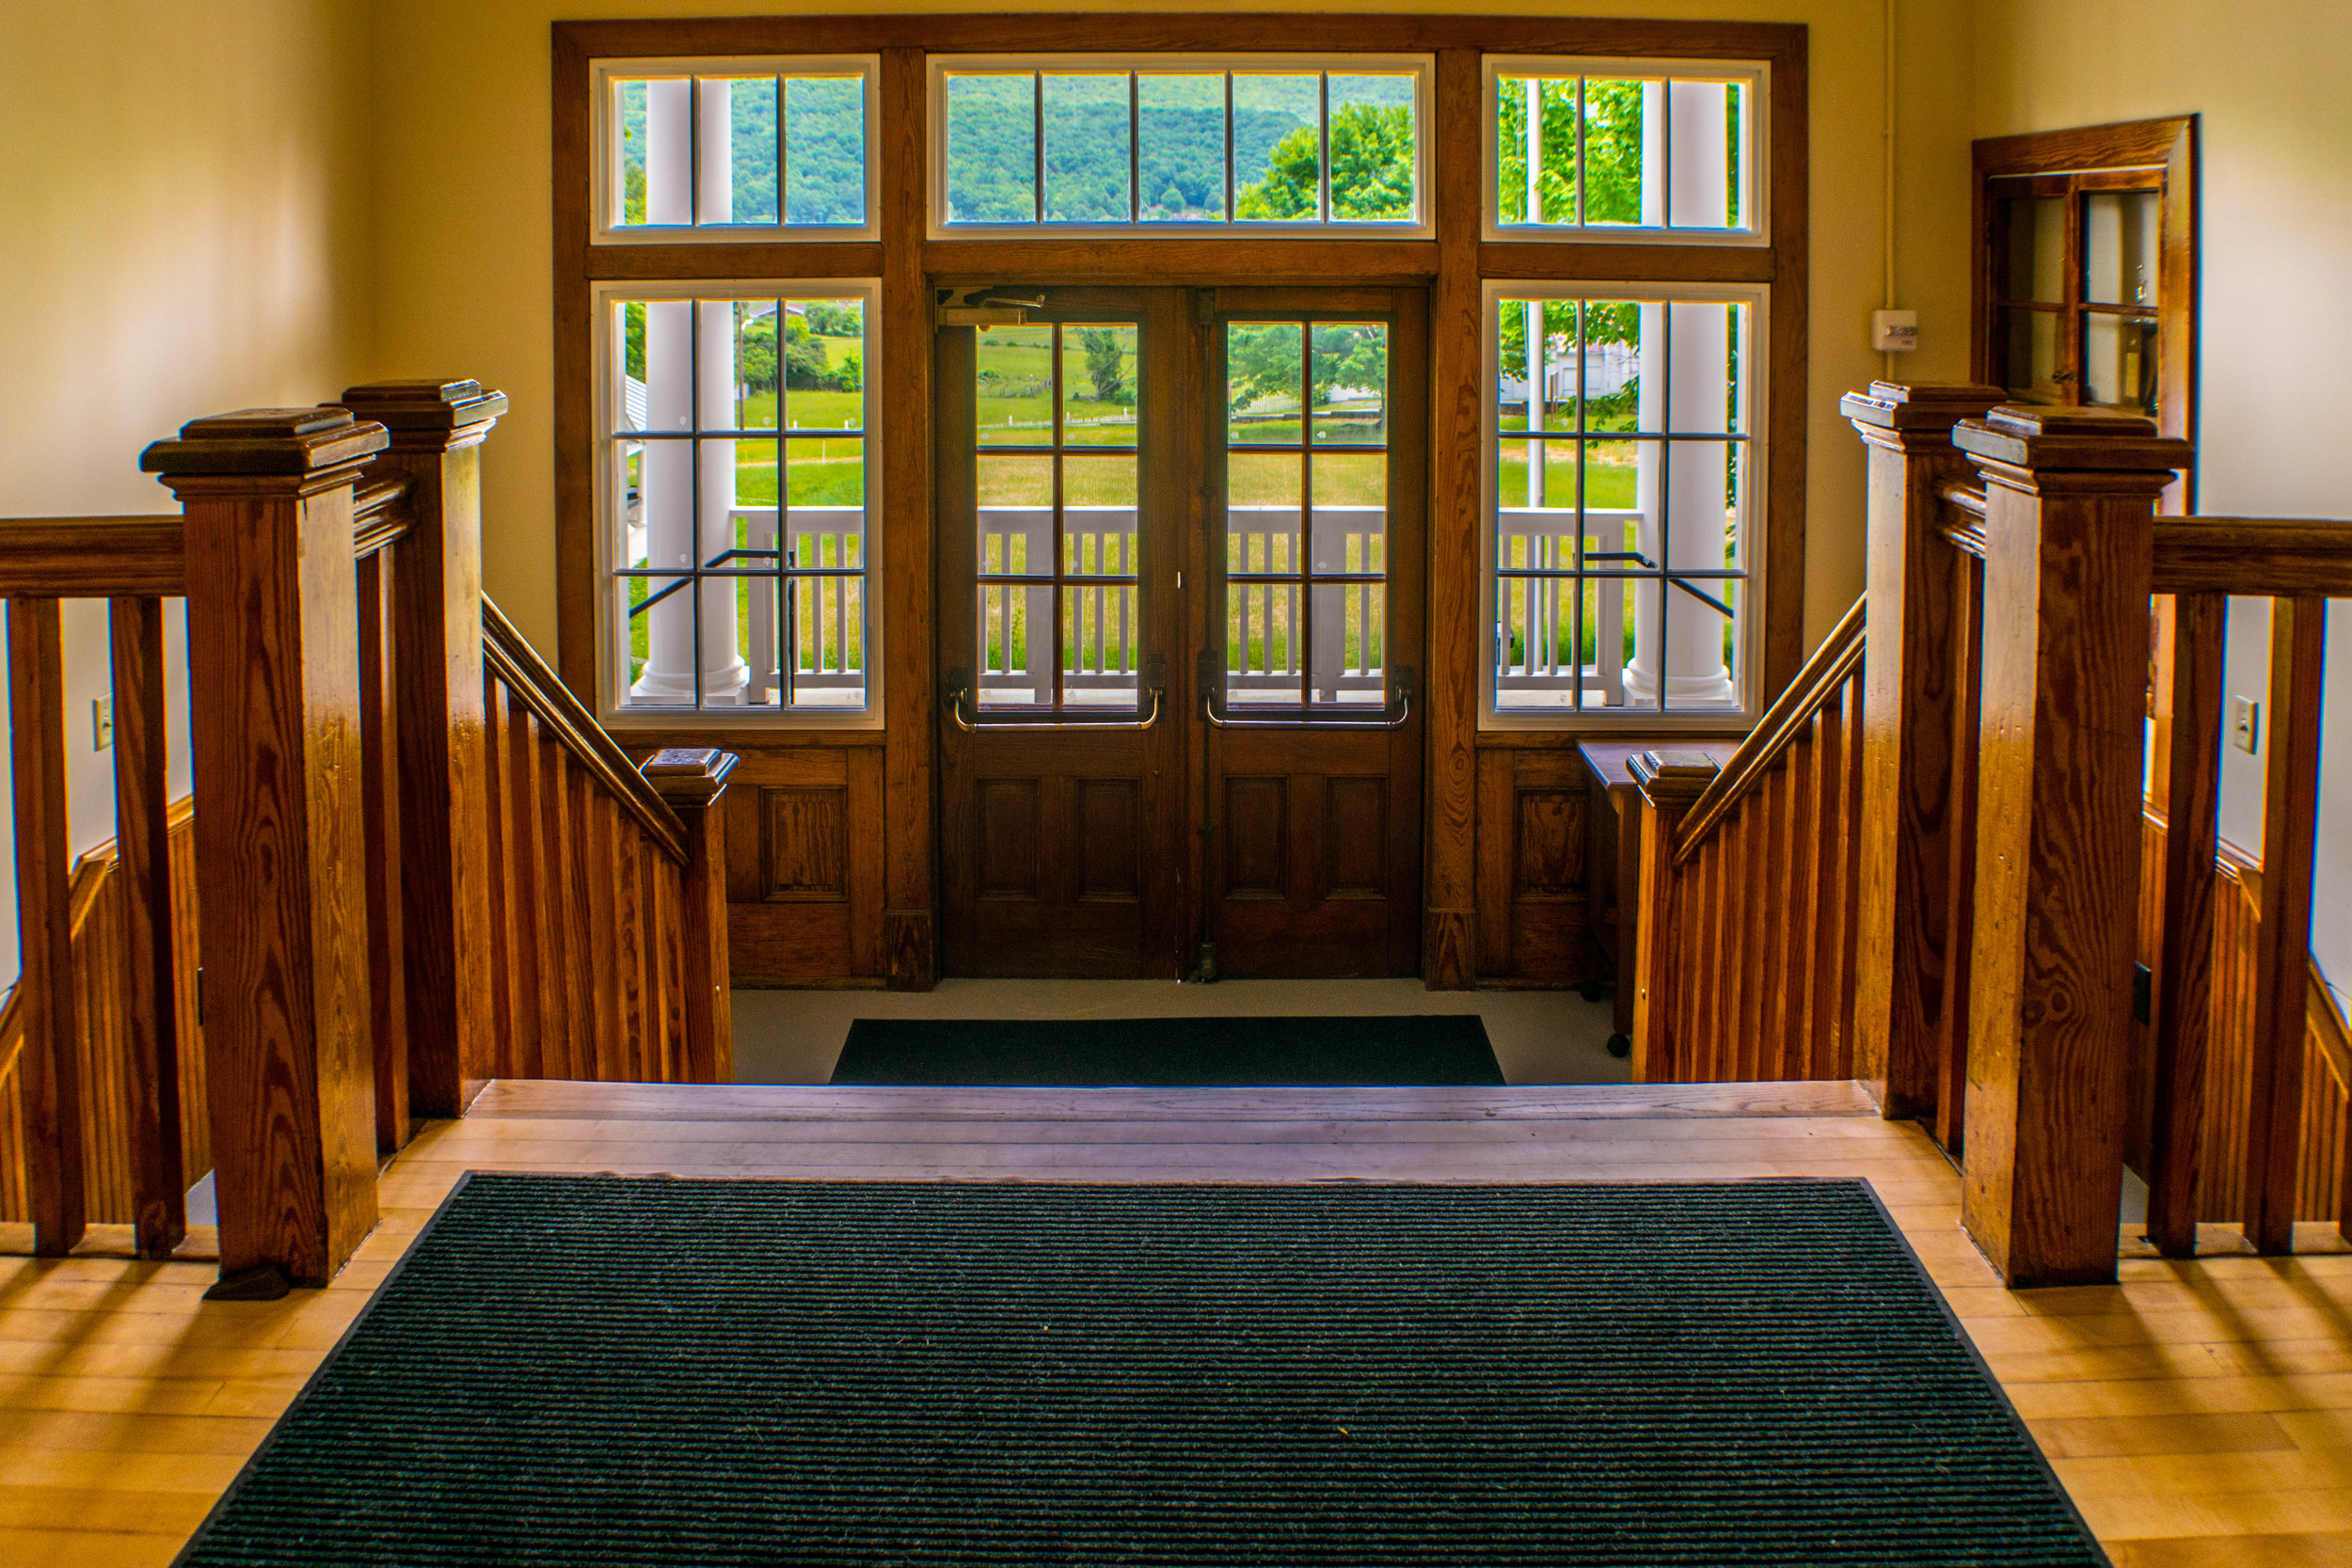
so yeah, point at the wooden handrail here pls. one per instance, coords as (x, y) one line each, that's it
(1815, 684)
(379, 515)
(2254, 557)
(512, 658)
(93, 558)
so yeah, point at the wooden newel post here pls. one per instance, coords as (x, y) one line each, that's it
(437, 432)
(1908, 797)
(274, 722)
(2070, 509)
(691, 781)
(1671, 784)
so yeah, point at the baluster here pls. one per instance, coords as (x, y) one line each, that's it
(379, 796)
(693, 781)
(50, 1062)
(2282, 935)
(1671, 782)
(143, 865)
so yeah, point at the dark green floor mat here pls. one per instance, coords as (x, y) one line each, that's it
(604, 1370)
(1430, 1048)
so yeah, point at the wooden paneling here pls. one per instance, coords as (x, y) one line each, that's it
(1111, 840)
(805, 845)
(1257, 837)
(1533, 916)
(1011, 840)
(1356, 811)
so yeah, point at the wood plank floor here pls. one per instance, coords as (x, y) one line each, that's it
(2201, 1412)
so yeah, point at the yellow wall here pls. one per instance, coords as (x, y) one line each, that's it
(2275, 316)
(463, 279)
(186, 199)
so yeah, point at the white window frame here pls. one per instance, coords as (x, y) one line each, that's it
(609, 351)
(1753, 555)
(1422, 69)
(1756, 162)
(605, 143)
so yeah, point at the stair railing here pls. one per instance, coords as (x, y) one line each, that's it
(354, 967)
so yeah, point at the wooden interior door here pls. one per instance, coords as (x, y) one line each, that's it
(1312, 552)
(1062, 507)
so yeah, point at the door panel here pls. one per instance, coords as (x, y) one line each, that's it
(1314, 550)
(1061, 513)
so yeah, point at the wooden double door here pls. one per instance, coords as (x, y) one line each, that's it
(1182, 569)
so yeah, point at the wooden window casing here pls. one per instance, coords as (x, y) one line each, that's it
(2067, 166)
(1454, 266)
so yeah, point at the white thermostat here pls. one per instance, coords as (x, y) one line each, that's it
(1894, 332)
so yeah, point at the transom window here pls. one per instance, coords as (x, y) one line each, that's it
(735, 453)
(1624, 150)
(717, 149)
(1170, 145)
(1620, 465)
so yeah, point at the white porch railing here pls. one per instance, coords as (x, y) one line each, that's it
(1535, 654)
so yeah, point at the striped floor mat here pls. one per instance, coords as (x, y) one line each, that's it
(604, 1370)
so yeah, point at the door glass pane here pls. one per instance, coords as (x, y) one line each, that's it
(1098, 385)
(1351, 382)
(2034, 264)
(1014, 397)
(2120, 243)
(1099, 653)
(2029, 348)
(2119, 361)
(1264, 383)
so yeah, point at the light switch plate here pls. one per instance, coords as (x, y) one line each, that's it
(102, 724)
(2246, 724)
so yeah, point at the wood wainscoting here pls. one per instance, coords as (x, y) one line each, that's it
(95, 924)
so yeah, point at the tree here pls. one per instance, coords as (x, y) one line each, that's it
(1105, 363)
(1372, 169)
(1262, 362)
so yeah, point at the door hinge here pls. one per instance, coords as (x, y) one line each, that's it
(987, 306)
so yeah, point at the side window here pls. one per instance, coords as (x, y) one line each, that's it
(1621, 475)
(735, 453)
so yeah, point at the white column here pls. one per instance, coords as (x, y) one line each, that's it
(666, 493)
(725, 672)
(670, 151)
(1690, 490)
(714, 177)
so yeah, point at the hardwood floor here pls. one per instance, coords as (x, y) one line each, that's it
(2201, 1412)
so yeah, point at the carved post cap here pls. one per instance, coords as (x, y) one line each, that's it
(689, 775)
(1931, 405)
(425, 412)
(2103, 439)
(1673, 778)
(272, 441)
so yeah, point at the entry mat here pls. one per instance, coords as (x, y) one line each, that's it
(1413, 1049)
(615, 1370)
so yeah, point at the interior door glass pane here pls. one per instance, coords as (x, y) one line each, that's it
(992, 148)
(2035, 265)
(2028, 341)
(1180, 148)
(1351, 380)
(1262, 392)
(1099, 515)
(1278, 152)
(1013, 386)
(2121, 239)
(1099, 658)
(1087, 145)
(1349, 655)
(824, 138)
(1263, 479)
(1614, 191)
(2119, 361)
(1016, 512)
(1098, 376)
(1372, 148)
(1351, 496)
(1016, 651)
(1262, 623)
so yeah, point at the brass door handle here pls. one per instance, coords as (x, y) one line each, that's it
(959, 687)
(1402, 679)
